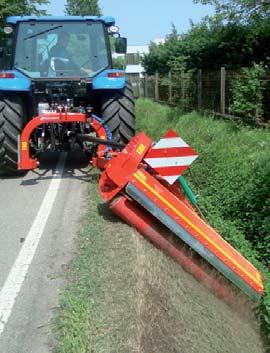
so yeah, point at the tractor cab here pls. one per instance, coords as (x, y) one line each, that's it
(56, 48)
(61, 49)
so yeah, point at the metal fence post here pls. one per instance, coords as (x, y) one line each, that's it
(145, 85)
(222, 90)
(199, 89)
(138, 87)
(156, 86)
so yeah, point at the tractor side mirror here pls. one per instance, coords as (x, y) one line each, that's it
(121, 45)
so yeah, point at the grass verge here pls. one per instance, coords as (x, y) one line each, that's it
(125, 296)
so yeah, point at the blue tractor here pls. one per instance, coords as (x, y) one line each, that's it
(51, 62)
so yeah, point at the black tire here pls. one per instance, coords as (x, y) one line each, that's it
(118, 111)
(11, 124)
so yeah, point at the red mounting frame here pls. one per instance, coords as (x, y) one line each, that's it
(120, 169)
(25, 161)
(99, 161)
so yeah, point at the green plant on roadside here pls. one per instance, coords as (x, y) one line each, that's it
(119, 63)
(264, 313)
(247, 91)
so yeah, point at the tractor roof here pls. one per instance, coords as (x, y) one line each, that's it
(109, 21)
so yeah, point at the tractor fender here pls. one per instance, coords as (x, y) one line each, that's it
(109, 79)
(17, 82)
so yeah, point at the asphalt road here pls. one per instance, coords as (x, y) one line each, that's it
(40, 218)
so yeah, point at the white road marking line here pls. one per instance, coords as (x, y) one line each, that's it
(17, 274)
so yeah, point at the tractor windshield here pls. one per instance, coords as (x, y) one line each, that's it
(61, 49)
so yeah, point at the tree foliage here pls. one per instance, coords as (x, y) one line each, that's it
(83, 8)
(210, 45)
(236, 36)
(243, 11)
(20, 7)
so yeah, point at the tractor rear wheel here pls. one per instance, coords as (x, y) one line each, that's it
(11, 124)
(118, 112)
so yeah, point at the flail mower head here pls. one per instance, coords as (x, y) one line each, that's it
(147, 177)
(141, 183)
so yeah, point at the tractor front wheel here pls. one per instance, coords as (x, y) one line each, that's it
(11, 124)
(118, 112)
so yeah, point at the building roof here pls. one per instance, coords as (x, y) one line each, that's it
(141, 49)
(134, 69)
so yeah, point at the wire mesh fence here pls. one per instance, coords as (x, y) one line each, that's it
(209, 91)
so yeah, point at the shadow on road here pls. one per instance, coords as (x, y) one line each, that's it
(76, 167)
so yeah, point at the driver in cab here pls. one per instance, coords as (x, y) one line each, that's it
(60, 49)
(61, 62)
(59, 57)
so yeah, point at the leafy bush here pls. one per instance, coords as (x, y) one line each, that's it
(119, 63)
(210, 45)
(247, 92)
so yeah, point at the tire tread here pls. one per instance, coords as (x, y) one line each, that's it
(118, 112)
(11, 120)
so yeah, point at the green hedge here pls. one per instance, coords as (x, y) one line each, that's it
(232, 178)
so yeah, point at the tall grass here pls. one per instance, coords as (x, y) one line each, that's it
(231, 176)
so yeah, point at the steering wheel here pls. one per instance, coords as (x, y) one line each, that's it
(53, 67)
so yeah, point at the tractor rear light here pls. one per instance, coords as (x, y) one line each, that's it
(116, 74)
(6, 75)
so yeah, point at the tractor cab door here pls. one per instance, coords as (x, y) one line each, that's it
(6, 50)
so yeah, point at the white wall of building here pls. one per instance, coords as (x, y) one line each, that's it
(137, 49)
(138, 68)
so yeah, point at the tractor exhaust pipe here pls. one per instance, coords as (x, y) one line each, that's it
(150, 228)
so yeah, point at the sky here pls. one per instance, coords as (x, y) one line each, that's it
(144, 20)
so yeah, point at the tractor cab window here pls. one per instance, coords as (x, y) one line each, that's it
(61, 49)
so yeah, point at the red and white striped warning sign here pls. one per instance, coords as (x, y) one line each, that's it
(170, 157)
